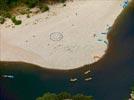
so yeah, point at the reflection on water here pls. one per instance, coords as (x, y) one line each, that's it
(112, 76)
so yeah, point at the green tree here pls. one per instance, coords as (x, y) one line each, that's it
(64, 95)
(82, 97)
(48, 96)
(32, 3)
(4, 5)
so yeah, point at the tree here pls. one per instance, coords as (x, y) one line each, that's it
(48, 96)
(64, 95)
(82, 97)
(32, 3)
(4, 5)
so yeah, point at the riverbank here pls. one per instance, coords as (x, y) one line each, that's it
(114, 72)
(63, 38)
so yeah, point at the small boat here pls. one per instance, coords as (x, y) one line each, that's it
(73, 79)
(8, 76)
(87, 72)
(88, 79)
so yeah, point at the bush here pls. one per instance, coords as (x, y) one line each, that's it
(2, 20)
(28, 16)
(32, 3)
(15, 21)
(43, 7)
(6, 15)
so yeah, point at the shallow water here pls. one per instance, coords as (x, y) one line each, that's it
(113, 75)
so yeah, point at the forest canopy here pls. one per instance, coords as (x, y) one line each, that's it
(64, 96)
(7, 8)
(5, 5)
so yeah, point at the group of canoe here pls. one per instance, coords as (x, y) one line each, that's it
(86, 79)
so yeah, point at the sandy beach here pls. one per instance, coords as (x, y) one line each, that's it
(63, 38)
